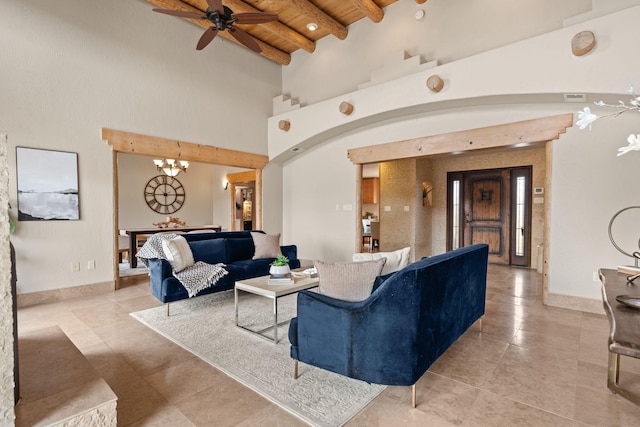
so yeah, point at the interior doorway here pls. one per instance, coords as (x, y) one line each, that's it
(493, 207)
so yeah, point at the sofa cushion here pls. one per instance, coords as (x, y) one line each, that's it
(396, 260)
(239, 249)
(212, 251)
(267, 245)
(349, 281)
(178, 253)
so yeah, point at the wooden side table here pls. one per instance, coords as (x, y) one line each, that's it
(624, 336)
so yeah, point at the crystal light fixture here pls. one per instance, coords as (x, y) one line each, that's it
(170, 166)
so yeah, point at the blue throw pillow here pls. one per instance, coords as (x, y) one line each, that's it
(239, 249)
(211, 251)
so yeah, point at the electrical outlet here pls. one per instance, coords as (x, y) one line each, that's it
(91, 265)
(75, 266)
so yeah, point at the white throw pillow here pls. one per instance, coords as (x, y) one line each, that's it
(396, 260)
(178, 253)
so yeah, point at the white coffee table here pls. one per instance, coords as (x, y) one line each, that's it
(261, 286)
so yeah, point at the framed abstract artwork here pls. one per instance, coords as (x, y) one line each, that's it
(47, 185)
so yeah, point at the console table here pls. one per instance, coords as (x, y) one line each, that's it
(133, 234)
(624, 336)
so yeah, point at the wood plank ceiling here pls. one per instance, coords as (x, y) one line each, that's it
(289, 33)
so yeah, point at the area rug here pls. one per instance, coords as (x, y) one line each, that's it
(205, 326)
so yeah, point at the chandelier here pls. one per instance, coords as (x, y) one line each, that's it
(170, 166)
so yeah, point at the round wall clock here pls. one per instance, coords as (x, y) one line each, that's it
(164, 194)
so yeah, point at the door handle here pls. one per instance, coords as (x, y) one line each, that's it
(467, 218)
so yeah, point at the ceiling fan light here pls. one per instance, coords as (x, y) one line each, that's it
(312, 26)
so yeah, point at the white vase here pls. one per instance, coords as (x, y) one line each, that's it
(279, 269)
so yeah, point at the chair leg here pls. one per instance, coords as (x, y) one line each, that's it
(413, 395)
(168, 310)
(295, 369)
(480, 324)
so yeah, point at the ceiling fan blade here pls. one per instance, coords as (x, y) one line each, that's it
(244, 38)
(206, 38)
(254, 17)
(180, 13)
(215, 5)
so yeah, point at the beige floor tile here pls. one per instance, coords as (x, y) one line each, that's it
(472, 359)
(536, 377)
(498, 411)
(387, 411)
(226, 403)
(138, 400)
(110, 365)
(185, 379)
(163, 417)
(602, 408)
(438, 396)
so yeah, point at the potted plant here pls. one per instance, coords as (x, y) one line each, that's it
(280, 266)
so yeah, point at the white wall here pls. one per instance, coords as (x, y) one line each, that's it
(70, 68)
(516, 82)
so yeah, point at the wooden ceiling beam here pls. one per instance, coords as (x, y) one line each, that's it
(277, 28)
(133, 143)
(268, 51)
(506, 135)
(370, 9)
(305, 8)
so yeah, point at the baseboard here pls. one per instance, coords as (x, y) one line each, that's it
(55, 295)
(575, 303)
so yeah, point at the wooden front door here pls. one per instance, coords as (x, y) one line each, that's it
(486, 212)
(492, 207)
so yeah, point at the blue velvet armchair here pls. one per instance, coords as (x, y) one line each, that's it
(410, 319)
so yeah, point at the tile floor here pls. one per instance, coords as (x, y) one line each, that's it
(531, 366)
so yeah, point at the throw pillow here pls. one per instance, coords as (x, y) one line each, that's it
(396, 260)
(178, 253)
(267, 245)
(349, 281)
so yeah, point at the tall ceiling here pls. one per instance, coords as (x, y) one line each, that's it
(289, 33)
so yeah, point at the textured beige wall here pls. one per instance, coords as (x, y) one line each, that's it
(397, 190)
(424, 212)
(494, 160)
(7, 414)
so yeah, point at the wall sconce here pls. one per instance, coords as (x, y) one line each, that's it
(345, 108)
(225, 184)
(435, 83)
(284, 125)
(170, 166)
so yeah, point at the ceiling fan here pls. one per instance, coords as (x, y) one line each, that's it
(223, 19)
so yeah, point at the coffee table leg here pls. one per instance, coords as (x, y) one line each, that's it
(275, 320)
(235, 296)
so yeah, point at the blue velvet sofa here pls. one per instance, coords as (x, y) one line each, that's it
(233, 248)
(393, 336)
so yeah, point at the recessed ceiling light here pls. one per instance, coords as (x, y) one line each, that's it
(312, 26)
